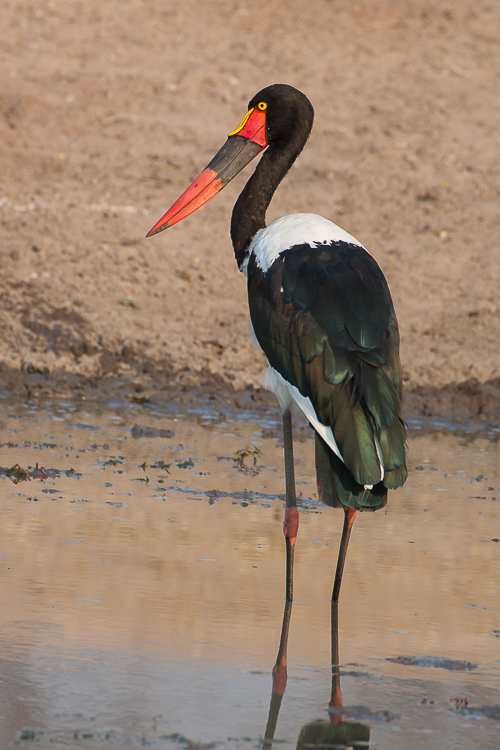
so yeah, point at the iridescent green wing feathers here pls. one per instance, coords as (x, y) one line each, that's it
(325, 320)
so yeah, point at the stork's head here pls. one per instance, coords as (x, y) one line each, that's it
(276, 115)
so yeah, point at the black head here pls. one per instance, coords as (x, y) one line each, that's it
(288, 114)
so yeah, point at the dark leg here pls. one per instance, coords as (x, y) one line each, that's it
(336, 696)
(279, 679)
(291, 523)
(349, 516)
(289, 471)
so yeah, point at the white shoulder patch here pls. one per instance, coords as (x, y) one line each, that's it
(291, 230)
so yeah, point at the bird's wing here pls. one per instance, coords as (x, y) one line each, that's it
(324, 317)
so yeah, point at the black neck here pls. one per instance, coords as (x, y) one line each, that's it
(249, 212)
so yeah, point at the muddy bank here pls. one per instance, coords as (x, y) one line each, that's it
(466, 403)
(107, 114)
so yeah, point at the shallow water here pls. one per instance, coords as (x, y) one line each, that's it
(142, 584)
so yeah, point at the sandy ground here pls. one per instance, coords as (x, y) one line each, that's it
(109, 110)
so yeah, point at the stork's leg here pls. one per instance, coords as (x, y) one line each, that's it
(349, 516)
(291, 523)
(336, 697)
(279, 679)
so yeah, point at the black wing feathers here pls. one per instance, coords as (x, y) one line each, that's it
(336, 486)
(325, 320)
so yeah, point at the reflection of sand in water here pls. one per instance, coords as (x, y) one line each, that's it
(181, 580)
(441, 521)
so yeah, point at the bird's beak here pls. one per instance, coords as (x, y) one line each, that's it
(242, 145)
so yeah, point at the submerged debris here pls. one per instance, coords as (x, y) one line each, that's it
(189, 744)
(161, 465)
(478, 712)
(187, 463)
(31, 734)
(361, 713)
(434, 661)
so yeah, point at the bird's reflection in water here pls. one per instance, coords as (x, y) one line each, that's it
(334, 733)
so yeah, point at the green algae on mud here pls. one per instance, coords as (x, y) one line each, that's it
(18, 473)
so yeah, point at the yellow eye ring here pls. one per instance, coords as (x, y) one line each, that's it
(262, 106)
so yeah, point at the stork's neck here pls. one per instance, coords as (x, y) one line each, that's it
(249, 212)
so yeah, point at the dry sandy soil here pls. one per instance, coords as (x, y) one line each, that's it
(109, 110)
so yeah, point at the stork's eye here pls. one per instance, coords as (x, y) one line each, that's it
(262, 106)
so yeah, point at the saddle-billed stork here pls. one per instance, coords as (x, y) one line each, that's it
(321, 311)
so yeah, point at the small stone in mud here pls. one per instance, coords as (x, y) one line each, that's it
(140, 432)
(137, 398)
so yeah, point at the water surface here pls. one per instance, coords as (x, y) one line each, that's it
(142, 582)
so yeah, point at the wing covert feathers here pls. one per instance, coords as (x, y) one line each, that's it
(325, 320)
